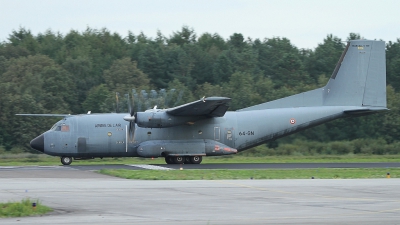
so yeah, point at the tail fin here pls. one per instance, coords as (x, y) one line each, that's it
(359, 79)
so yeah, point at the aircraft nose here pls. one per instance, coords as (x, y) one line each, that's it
(38, 143)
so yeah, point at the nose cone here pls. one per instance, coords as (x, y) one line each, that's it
(38, 143)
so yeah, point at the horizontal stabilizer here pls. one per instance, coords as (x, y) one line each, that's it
(365, 111)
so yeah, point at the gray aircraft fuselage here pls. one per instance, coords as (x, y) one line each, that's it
(105, 135)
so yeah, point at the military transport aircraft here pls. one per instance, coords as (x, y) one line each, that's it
(186, 133)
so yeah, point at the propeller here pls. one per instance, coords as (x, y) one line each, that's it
(131, 118)
(117, 101)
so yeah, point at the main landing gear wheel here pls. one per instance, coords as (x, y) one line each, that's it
(195, 159)
(66, 160)
(179, 159)
(187, 160)
(169, 160)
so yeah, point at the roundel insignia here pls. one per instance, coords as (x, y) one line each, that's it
(292, 121)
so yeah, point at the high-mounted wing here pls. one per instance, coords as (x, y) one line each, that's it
(46, 115)
(211, 107)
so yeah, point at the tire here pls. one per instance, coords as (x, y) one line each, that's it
(169, 160)
(196, 159)
(65, 160)
(187, 160)
(179, 159)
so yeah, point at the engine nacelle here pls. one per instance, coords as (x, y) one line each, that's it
(159, 119)
(162, 148)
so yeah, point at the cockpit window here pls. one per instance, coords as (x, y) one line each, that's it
(60, 127)
(53, 127)
(65, 128)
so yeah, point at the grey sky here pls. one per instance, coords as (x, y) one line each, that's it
(304, 22)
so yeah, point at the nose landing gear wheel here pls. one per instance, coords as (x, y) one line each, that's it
(66, 160)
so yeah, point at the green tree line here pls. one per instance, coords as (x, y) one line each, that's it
(82, 71)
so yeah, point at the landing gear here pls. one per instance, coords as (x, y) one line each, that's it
(179, 159)
(169, 160)
(65, 160)
(187, 160)
(195, 159)
(183, 159)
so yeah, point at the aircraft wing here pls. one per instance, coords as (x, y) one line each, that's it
(46, 115)
(211, 106)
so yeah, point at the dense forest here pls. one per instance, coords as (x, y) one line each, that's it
(88, 71)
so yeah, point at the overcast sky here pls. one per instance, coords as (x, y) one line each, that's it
(304, 22)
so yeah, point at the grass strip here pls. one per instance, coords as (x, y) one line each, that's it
(44, 160)
(23, 208)
(322, 173)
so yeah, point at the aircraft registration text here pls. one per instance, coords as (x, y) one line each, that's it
(99, 125)
(243, 133)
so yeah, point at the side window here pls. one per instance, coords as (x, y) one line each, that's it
(216, 133)
(58, 128)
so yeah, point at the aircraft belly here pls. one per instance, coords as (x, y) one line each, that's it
(195, 147)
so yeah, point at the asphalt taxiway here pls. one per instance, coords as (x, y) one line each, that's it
(236, 166)
(85, 197)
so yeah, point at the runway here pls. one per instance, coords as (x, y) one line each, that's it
(210, 166)
(82, 196)
(66, 171)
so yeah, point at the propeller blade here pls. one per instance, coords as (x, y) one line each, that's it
(117, 100)
(132, 116)
(130, 107)
(134, 96)
(131, 130)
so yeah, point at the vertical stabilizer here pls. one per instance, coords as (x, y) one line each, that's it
(359, 78)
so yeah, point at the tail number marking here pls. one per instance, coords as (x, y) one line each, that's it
(244, 133)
